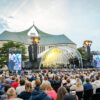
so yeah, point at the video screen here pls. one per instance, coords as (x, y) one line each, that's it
(15, 61)
(96, 60)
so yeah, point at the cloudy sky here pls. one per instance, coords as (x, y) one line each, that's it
(77, 19)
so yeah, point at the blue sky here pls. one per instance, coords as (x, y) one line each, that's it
(77, 19)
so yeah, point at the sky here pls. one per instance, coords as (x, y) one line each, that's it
(77, 19)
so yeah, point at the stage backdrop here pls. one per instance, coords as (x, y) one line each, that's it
(15, 60)
(96, 60)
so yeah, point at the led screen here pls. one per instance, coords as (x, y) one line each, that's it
(15, 61)
(96, 60)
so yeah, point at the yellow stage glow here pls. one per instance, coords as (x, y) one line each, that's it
(51, 56)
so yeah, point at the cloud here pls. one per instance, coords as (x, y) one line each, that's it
(10, 17)
(3, 24)
(79, 20)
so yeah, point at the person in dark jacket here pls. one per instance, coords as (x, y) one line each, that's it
(88, 85)
(40, 95)
(56, 83)
(25, 95)
(37, 83)
(70, 97)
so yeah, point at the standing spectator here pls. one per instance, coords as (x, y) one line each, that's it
(20, 88)
(88, 90)
(70, 97)
(11, 94)
(74, 67)
(45, 79)
(2, 82)
(57, 83)
(37, 85)
(73, 81)
(77, 86)
(15, 84)
(40, 95)
(61, 92)
(96, 84)
(25, 95)
(51, 92)
(4, 95)
(67, 85)
(82, 78)
(88, 85)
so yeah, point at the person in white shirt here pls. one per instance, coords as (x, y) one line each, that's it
(96, 84)
(21, 87)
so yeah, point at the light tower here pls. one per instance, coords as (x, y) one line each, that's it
(34, 38)
(87, 44)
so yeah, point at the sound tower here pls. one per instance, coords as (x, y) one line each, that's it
(30, 53)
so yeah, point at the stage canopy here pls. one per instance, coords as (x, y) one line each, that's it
(60, 56)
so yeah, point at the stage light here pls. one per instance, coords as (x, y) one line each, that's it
(51, 56)
(87, 43)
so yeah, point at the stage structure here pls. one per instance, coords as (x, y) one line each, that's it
(60, 56)
(33, 48)
(87, 44)
(41, 42)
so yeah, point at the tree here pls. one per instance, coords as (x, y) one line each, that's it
(4, 52)
(82, 52)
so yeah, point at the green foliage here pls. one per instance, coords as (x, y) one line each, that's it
(4, 51)
(82, 52)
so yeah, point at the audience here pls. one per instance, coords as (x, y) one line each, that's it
(49, 85)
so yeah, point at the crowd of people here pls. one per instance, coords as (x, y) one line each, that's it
(49, 85)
